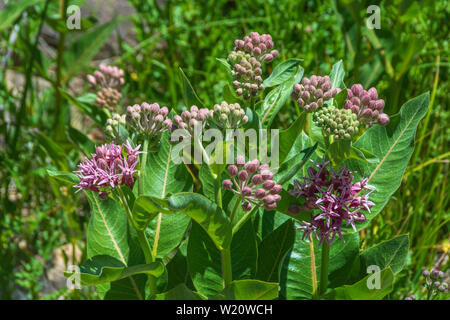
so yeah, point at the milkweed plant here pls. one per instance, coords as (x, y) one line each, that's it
(216, 202)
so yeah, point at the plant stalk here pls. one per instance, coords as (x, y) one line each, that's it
(142, 170)
(324, 268)
(145, 245)
(227, 274)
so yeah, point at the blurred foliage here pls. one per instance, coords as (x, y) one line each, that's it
(406, 57)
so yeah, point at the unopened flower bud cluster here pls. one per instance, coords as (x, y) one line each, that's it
(107, 80)
(366, 105)
(339, 123)
(112, 125)
(313, 92)
(190, 119)
(148, 119)
(228, 116)
(254, 183)
(434, 281)
(246, 59)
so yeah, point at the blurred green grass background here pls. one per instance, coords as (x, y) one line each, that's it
(43, 65)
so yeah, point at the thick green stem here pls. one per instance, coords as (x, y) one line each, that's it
(227, 274)
(324, 268)
(142, 171)
(143, 242)
(233, 213)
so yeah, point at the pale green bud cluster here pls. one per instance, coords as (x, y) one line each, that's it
(339, 123)
(228, 116)
(112, 125)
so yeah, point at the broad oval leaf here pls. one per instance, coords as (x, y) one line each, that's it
(282, 72)
(249, 290)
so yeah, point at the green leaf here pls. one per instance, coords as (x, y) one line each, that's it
(79, 139)
(144, 210)
(11, 12)
(282, 72)
(249, 290)
(272, 251)
(172, 229)
(337, 75)
(66, 177)
(102, 269)
(94, 112)
(208, 182)
(286, 201)
(244, 252)
(204, 262)
(177, 270)
(180, 292)
(54, 151)
(206, 213)
(391, 253)
(287, 173)
(278, 97)
(83, 49)
(109, 234)
(300, 271)
(393, 145)
(162, 175)
(190, 97)
(225, 63)
(361, 291)
(288, 136)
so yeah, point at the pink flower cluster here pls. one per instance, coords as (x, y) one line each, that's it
(258, 46)
(189, 119)
(366, 105)
(313, 92)
(253, 183)
(332, 197)
(106, 77)
(108, 169)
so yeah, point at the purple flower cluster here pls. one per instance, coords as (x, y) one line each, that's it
(332, 197)
(108, 169)
(366, 105)
(148, 119)
(259, 46)
(253, 183)
(432, 282)
(313, 92)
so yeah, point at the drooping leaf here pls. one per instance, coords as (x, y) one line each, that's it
(286, 173)
(103, 268)
(65, 177)
(282, 72)
(391, 253)
(362, 290)
(392, 145)
(204, 262)
(244, 254)
(54, 151)
(95, 113)
(272, 251)
(249, 290)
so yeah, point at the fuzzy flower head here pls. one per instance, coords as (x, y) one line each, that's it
(253, 183)
(228, 116)
(435, 281)
(312, 92)
(366, 105)
(332, 198)
(148, 119)
(108, 169)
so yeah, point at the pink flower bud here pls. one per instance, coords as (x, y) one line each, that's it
(383, 119)
(373, 93)
(247, 191)
(240, 161)
(257, 179)
(227, 184)
(164, 111)
(269, 199)
(145, 106)
(357, 89)
(232, 170)
(269, 184)
(91, 79)
(276, 189)
(260, 193)
(246, 206)
(379, 104)
(266, 174)
(243, 175)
